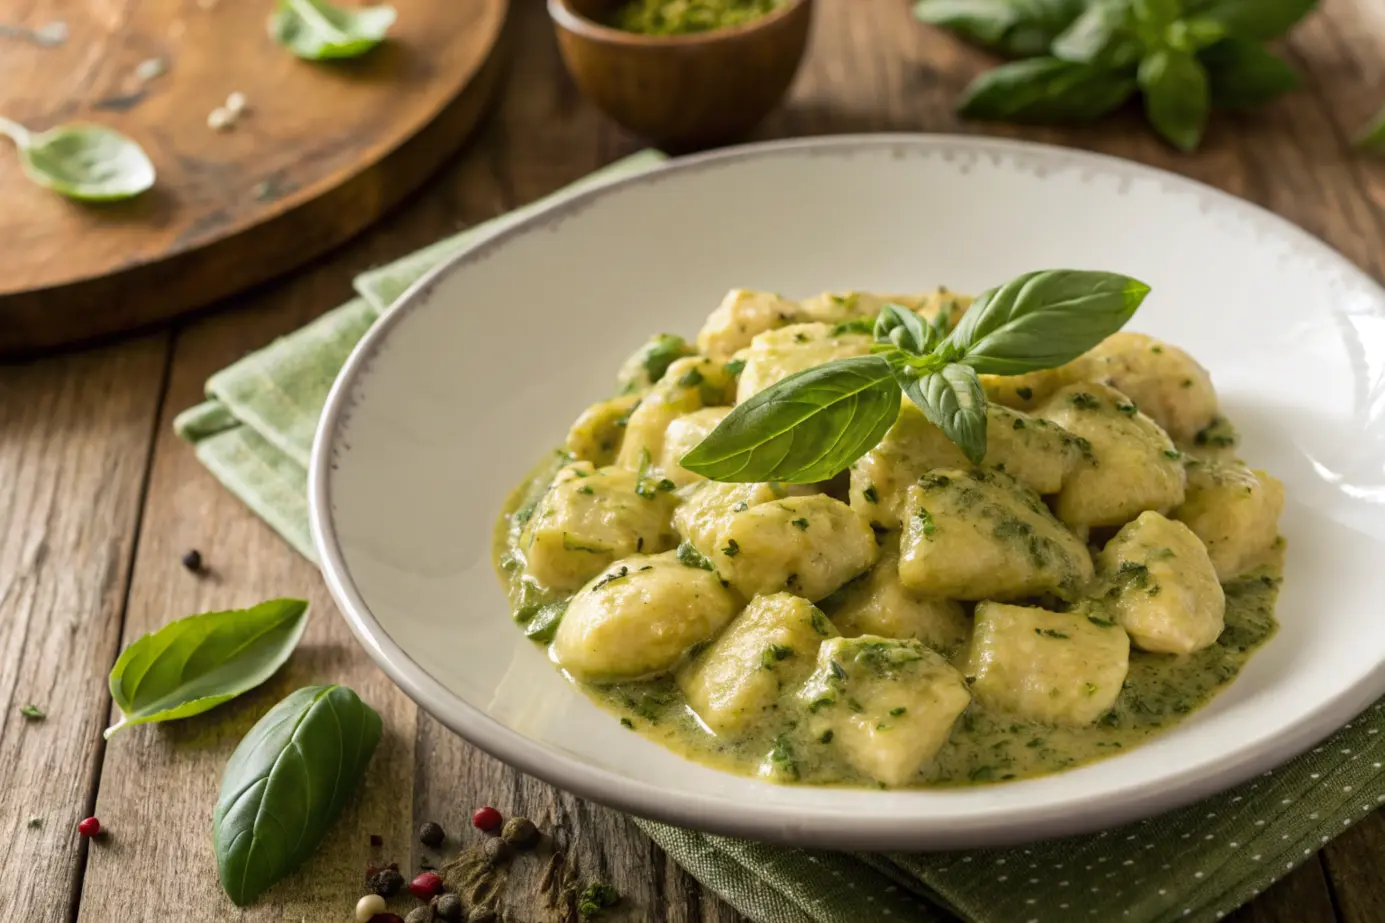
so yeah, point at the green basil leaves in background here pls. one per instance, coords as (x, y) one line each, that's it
(812, 425)
(286, 783)
(196, 663)
(803, 429)
(1373, 137)
(317, 31)
(89, 163)
(1080, 60)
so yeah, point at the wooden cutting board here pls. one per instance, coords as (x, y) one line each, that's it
(321, 151)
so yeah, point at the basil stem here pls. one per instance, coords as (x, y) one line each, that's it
(805, 428)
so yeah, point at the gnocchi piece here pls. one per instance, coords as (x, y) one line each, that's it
(1051, 667)
(689, 384)
(741, 315)
(776, 354)
(1162, 588)
(1234, 510)
(974, 534)
(589, 518)
(638, 617)
(887, 706)
(770, 646)
(1131, 466)
(844, 307)
(648, 364)
(708, 506)
(1034, 451)
(1162, 380)
(808, 546)
(1029, 390)
(682, 436)
(596, 435)
(879, 604)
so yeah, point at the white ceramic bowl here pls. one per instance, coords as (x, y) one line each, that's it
(451, 398)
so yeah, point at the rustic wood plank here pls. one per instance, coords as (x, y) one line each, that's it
(1303, 897)
(1352, 862)
(74, 444)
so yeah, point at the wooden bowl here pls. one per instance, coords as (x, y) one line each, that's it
(683, 91)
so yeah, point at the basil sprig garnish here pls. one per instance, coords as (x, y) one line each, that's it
(1083, 58)
(812, 425)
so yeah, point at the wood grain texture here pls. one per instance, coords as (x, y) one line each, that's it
(75, 430)
(323, 150)
(74, 444)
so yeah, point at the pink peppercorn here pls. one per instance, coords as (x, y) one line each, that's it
(486, 819)
(89, 828)
(425, 886)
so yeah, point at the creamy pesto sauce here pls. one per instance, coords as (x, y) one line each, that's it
(1160, 691)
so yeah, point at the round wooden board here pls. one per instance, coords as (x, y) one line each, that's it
(323, 149)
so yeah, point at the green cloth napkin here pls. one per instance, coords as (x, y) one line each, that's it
(255, 433)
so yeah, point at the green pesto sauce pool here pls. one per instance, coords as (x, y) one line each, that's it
(684, 17)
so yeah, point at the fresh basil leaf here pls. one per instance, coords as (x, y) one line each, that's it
(89, 163)
(1041, 21)
(543, 627)
(1177, 99)
(953, 400)
(1045, 90)
(1372, 138)
(1041, 320)
(1260, 20)
(286, 783)
(984, 22)
(1244, 74)
(806, 428)
(196, 663)
(317, 31)
(1157, 15)
(1194, 34)
(898, 326)
(1101, 35)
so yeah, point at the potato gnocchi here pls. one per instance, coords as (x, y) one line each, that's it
(916, 620)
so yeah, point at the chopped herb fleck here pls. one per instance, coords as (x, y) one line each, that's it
(774, 653)
(1156, 349)
(32, 712)
(1090, 688)
(35, 822)
(1024, 394)
(1173, 454)
(1128, 409)
(690, 379)
(1050, 633)
(820, 623)
(740, 507)
(1084, 401)
(1019, 423)
(837, 670)
(1133, 571)
(571, 544)
(1100, 622)
(826, 737)
(735, 367)
(586, 490)
(612, 577)
(689, 556)
(732, 549)
(871, 495)
(626, 722)
(926, 522)
(802, 524)
(595, 898)
(896, 712)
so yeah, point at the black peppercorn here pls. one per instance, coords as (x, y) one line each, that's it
(497, 851)
(385, 882)
(482, 915)
(430, 834)
(520, 833)
(448, 907)
(193, 561)
(420, 915)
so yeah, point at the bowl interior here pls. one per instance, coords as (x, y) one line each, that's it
(477, 374)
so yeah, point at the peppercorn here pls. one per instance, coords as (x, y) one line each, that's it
(89, 828)
(486, 819)
(430, 834)
(420, 915)
(520, 833)
(193, 561)
(368, 907)
(448, 907)
(385, 882)
(497, 851)
(426, 885)
(482, 915)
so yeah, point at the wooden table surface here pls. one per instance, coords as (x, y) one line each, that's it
(100, 500)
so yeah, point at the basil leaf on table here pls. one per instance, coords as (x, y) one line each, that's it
(89, 163)
(1260, 20)
(1041, 320)
(1373, 137)
(286, 783)
(803, 429)
(1243, 74)
(315, 30)
(1021, 28)
(1177, 98)
(1103, 34)
(1045, 90)
(196, 663)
